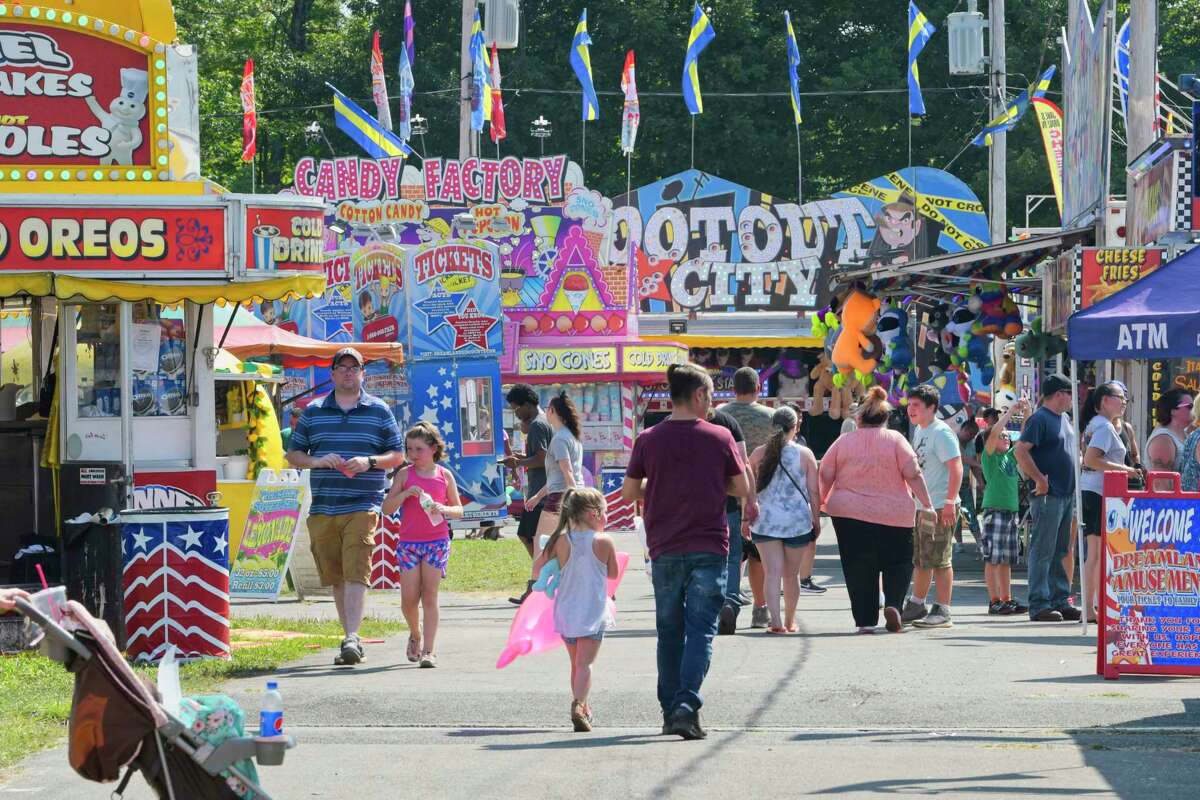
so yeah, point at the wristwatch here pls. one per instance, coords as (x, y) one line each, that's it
(372, 461)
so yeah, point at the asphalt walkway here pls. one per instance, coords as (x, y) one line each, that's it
(994, 706)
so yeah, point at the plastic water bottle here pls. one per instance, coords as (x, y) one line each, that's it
(270, 719)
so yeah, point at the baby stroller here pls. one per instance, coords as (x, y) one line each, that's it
(117, 722)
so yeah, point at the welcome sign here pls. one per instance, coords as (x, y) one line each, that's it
(1151, 580)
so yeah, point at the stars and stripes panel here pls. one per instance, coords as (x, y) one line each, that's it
(176, 583)
(385, 567)
(620, 512)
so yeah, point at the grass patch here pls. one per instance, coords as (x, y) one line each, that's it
(35, 692)
(480, 565)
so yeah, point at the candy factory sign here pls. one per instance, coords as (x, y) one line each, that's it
(535, 180)
(76, 97)
(335, 180)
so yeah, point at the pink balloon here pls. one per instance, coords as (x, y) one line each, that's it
(532, 628)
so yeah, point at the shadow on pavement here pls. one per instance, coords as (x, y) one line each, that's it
(581, 742)
(910, 737)
(967, 786)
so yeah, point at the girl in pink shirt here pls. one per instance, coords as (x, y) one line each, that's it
(868, 480)
(427, 495)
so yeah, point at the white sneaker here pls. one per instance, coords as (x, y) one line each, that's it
(938, 617)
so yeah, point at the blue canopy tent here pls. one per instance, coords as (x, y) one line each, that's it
(1157, 316)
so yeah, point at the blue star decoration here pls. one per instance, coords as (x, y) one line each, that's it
(436, 307)
(612, 482)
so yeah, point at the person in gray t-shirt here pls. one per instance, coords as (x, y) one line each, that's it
(564, 463)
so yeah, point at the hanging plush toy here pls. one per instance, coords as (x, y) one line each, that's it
(976, 350)
(822, 387)
(842, 398)
(962, 319)
(825, 326)
(793, 379)
(893, 330)
(998, 313)
(858, 321)
(1037, 346)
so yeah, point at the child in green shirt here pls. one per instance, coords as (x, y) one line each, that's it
(1000, 543)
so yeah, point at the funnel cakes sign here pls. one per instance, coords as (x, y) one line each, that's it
(80, 99)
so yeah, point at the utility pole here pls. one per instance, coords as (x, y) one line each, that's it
(466, 139)
(1143, 80)
(998, 152)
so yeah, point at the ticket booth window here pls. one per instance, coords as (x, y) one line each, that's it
(475, 416)
(98, 360)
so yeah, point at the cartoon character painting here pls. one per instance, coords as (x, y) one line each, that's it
(898, 234)
(123, 119)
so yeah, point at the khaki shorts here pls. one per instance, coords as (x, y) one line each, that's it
(342, 545)
(933, 542)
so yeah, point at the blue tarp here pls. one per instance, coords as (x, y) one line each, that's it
(1157, 316)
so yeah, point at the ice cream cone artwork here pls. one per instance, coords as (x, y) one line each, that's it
(575, 288)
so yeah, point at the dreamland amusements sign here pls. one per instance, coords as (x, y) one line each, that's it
(706, 244)
(1150, 621)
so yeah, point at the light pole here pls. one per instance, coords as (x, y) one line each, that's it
(313, 131)
(420, 127)
(541, 129)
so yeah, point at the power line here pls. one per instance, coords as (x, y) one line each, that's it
(516, 92)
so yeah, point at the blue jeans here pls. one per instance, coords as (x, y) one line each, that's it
(689, 591)
(1049, 541)
(733, 580)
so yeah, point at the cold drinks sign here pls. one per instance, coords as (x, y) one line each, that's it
(79, 93)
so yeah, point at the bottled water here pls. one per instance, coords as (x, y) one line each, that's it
(270, 719)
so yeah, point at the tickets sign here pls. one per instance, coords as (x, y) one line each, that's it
(285, 238)
(1104, 271)
(74, 97)
(112, 239)
(1150, 620)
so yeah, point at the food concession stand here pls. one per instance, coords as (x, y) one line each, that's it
(120, 250)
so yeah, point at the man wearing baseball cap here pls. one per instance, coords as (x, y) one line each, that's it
(1046, 455)
(349, 440)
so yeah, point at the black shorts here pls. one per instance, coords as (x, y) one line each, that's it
(749, 550)
(1092, 512)
(527, 526)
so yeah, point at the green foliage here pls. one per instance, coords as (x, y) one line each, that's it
(849, 50)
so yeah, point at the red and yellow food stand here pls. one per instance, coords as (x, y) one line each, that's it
(118, 249)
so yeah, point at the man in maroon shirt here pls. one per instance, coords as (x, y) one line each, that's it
(683, 468)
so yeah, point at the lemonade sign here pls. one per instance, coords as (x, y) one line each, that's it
(280, 501)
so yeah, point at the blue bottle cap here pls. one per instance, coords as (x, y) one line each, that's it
(272, 685)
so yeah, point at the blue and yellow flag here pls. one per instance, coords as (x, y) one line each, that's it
(919, 32)
(793, 53)
(376, 140)
(481, 77)
(1008, 119)
(581, 62)
(698, 38)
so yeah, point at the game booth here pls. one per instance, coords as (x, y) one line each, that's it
(118, 251)
(1149, 598)
(748, 279)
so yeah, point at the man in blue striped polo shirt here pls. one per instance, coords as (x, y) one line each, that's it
(349, 441)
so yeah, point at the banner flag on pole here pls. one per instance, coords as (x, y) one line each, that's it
(1050, 120)
(1008, 119)
(793, 53)
(497, 129)
(920, 30)
(406, 95)
(699, 36)
(581, 63)
(408, 33)
(365, 130)
(631, 114)
(249, 115)
(383, 111)
(481, 68)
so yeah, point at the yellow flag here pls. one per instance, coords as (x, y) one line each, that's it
(1050, 120)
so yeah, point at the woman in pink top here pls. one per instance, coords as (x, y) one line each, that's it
(868, 480)
(427, 495)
